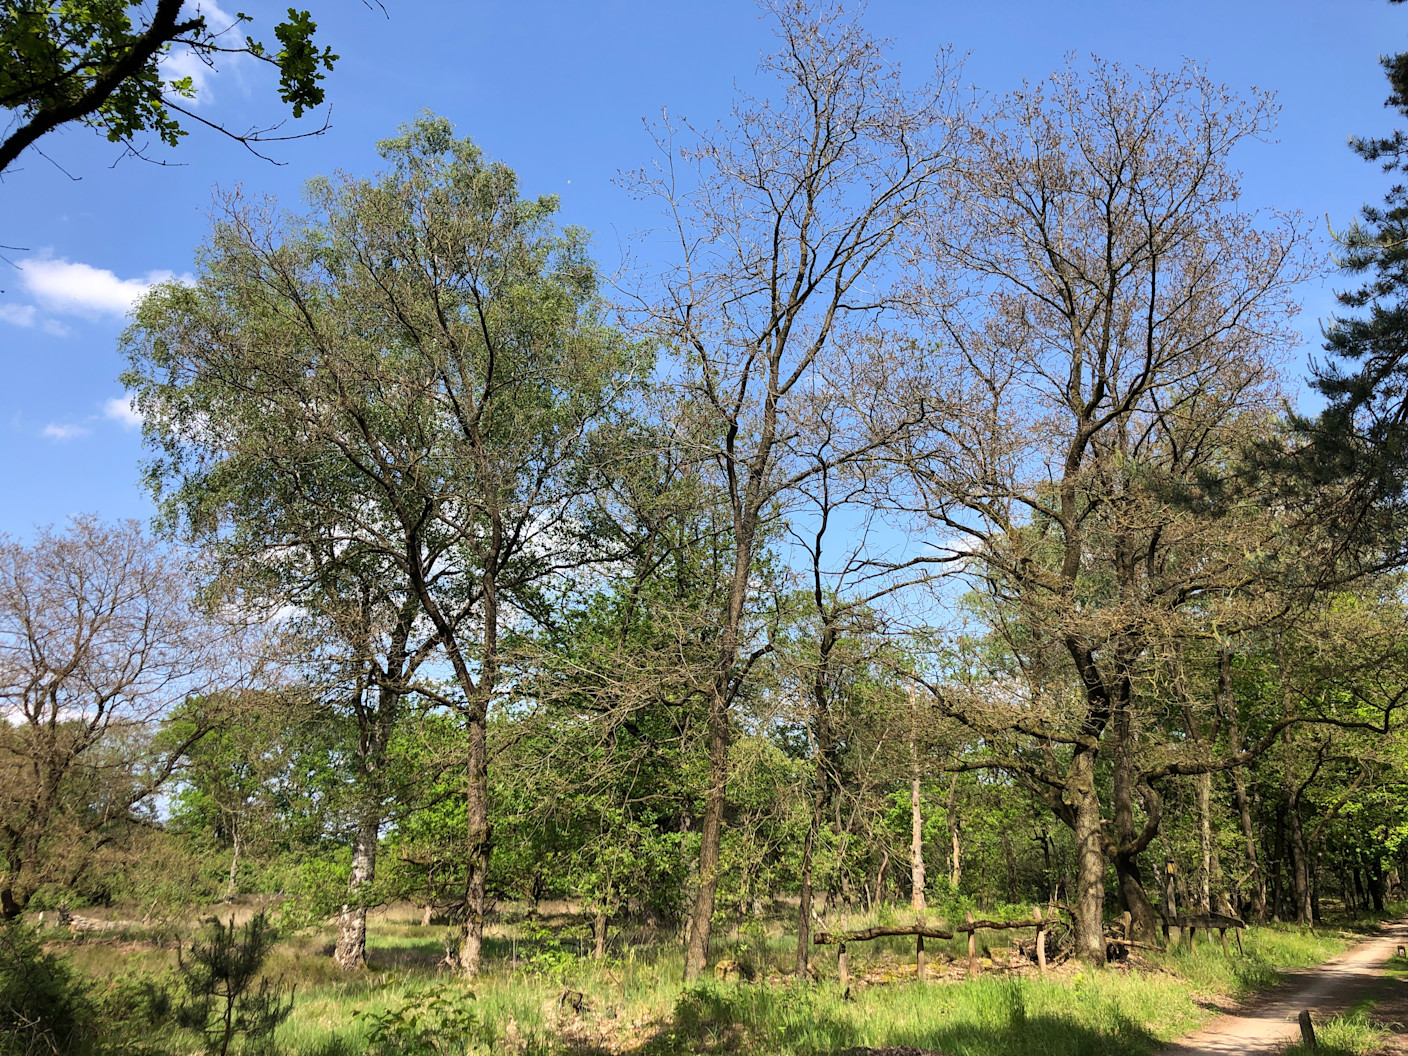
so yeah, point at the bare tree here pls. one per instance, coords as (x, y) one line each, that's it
(789, 219)
(99, 638)
(1119, 316)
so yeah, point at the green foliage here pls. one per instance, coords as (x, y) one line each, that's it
(44, 1006)
(227, 996)
(99, 62)
(436, 1020)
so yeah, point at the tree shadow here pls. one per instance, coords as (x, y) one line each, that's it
(1031, 1036)
(754, 1021)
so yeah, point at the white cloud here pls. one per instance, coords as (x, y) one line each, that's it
(17, 314)
(81, 289)
(123, 410)
(55, 431)
(186, 63)
(53, 326)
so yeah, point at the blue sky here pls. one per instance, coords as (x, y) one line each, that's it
(558, 90)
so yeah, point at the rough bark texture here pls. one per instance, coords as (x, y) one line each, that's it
(1088, 906)
(351, 950)
(477, 848)
(1202, 785)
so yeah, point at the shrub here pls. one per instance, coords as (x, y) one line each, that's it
(43, 1008)
(436, 1020)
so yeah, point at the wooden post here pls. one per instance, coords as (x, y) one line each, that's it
(972, 945)
(843, 972)
(1170, 903)
(1040, 939)
(1192, 939)
(919, 962)
(1222, 934)
(1307, 1029)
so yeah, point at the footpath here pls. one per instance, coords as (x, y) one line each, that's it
(1269, 1022)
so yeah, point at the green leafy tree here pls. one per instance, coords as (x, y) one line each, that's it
(98, 63)
(422, 363)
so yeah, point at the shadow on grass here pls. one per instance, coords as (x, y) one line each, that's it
(753, 1021)
(1034, 1036)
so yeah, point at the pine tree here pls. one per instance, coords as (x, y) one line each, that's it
(1361, 437)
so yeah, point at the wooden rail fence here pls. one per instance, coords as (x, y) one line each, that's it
(922, 931)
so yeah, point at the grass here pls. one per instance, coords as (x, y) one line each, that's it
(1355, 1033)
(634, 1001)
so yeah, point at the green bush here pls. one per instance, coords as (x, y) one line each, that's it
(434, 1021)
(43, 1008)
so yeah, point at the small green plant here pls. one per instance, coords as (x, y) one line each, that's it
(227, 996)
(434, 1021)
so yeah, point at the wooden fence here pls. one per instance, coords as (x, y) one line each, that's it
(924, 931)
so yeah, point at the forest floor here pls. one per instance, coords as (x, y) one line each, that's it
(541, 994)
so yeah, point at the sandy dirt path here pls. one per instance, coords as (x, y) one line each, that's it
(1269, 1023)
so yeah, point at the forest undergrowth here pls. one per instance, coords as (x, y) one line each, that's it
(543, 993)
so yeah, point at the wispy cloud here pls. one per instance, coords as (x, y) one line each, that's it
(17, 314)
(123, 411)
(62, 432)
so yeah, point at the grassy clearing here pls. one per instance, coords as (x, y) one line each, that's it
(634, 1002)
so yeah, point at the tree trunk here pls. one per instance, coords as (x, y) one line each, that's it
(1144, 918)
(1203, 799)
(1088, 907)
(804, 901)
(955, 862)
(350, 952)
(1228, 702)
(1300, 863)
(599, 925)
(1256, 877)
(477, 850)
(232, 885)
(1125, 854)
(1278, 857)
(1377, 886)
(916, 835)
(697, 950)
